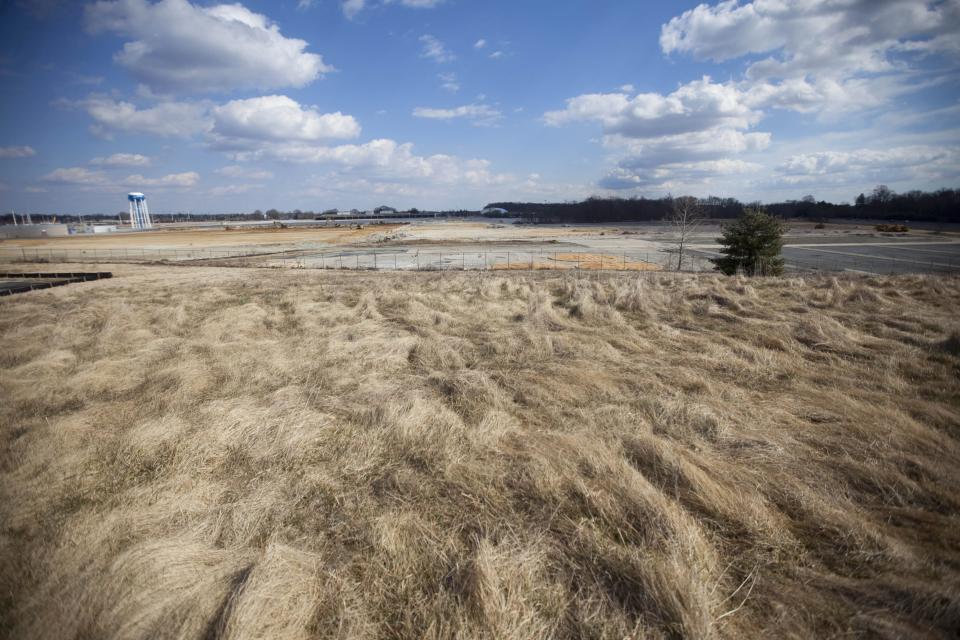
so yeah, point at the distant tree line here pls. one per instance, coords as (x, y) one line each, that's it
(881, 204)
(269, 214)
(612, 209)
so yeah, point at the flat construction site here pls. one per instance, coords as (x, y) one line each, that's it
(482, 244)
(210, 238)
(290, 454)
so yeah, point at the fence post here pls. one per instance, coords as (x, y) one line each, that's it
(508, 261)
(374, 259)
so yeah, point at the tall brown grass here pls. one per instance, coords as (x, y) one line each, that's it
(203, 453)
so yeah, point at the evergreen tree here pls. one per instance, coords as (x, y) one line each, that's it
(751, 244)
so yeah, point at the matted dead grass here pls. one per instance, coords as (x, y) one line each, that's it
(236, 453)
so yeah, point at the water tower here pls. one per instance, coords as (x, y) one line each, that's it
(139, 214)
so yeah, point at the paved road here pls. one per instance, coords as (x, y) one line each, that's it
(871, 257)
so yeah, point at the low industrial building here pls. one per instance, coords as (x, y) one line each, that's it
(51, 230)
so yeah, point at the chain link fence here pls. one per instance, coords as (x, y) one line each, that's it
(366, 259)
(522, 259)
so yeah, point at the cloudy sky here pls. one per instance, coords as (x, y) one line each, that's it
(314, 104)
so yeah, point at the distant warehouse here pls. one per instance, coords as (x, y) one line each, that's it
(51, 230)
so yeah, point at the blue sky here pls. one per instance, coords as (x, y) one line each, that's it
(455, 103)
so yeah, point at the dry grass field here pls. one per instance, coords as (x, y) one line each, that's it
(585, 261)
(174, 238)
(225, 453)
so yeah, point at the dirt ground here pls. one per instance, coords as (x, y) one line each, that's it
(588, 261)
(210, 238)
(467, 243)
(444, 233)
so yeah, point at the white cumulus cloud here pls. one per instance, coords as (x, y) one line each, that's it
(696, 106)
(449, 82)
(237, 171)
(100, 181)
(76, 175)
(122, 160)
(385, 160)
(280, 118)
(647, 153)
(233, 189)
(177, 46)
(478, 113)
(17, 152)
(853, 34)
(351, 8)
(665, 141)
(166, 119)
(911, 163)
(176, 180)
(435, 50)
(680, 175)
(817, 54)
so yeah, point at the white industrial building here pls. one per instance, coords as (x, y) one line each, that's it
(51, 230)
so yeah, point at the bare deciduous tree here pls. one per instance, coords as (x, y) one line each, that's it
(882, 194)
(685, 217)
